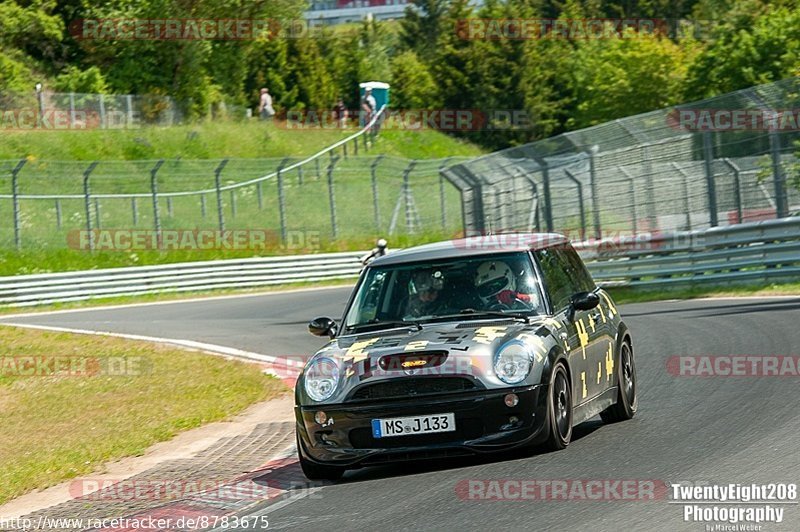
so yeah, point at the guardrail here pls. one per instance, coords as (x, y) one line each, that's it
(763, 252)
(40, 289)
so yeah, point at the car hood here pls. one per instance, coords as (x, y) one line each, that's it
(463, 349)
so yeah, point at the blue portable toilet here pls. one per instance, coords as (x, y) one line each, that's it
(380, 91)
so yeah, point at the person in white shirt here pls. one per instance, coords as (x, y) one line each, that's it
(265, 109)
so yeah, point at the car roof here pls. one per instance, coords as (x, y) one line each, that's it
(472, 247)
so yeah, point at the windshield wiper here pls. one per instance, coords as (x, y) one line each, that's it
(472, 313)
(377, 323)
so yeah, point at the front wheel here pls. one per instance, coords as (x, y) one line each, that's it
(559, 409)
(314, 471)
(627, 402)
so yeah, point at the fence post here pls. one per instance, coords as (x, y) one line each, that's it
(332, 197)
(169, 206)
(233, 203)
(203, 205)
(319, 172)
(102, 112)
(632, 192)
(58, 213)
(410, 226)
(129, 102)
(441, 192)
(708, 157)
(154, 192)
(779, 179)
(686, 201)
(598, 232)
(375, 208)
(88, 204)
(135, 211)
(300, 175)
(650, 192)
(344, 150)
(548, 211)
(218, 186)
(72, 110)
(15, 195)
(737, 187)
(282, 200)
(577, 182)
(97, 218)
(260, 196)
(355, 146)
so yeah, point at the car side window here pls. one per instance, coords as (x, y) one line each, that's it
(581, 278)
(564, 274)
(556, 277)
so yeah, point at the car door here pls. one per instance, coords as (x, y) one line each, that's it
(586, 337)
(598, 328)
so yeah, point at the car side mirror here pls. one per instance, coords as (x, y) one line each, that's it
(322, 327)
(583, 301)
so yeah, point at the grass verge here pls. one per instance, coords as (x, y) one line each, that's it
(631, 295)
(212, 140)
(123, 397)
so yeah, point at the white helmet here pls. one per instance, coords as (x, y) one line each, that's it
(492, 277)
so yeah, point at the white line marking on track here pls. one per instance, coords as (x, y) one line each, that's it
(190, 344)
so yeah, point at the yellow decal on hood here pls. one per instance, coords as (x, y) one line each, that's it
(358, 351)
(416, 345)
(486, 335)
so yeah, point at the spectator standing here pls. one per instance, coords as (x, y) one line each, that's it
(340, 113)
(368, 105)
(265, 109)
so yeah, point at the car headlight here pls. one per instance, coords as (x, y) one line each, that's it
(512, 362)
(321, 379)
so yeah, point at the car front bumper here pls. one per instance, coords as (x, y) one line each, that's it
(483, 424)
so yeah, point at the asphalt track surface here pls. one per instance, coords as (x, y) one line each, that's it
(701, 430)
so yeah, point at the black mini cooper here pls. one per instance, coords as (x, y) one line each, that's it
(462, 347)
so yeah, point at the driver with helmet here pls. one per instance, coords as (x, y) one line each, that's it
(496, 283)
(424, 291)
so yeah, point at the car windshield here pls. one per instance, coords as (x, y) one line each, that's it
(426, 291)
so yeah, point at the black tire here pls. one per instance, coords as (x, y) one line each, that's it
(559, 409)
(627, 400)
(314, 471)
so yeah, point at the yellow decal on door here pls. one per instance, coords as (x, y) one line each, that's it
(609, 361)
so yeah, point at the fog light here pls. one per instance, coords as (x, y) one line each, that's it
(511, 400)
(320, 417)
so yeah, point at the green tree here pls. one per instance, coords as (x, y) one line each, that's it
(413, 86)
(632, 74)
(755, 43)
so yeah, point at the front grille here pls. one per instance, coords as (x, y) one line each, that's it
(412, 387)
(466, 429)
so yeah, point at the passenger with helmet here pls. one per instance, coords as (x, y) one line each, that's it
(424, 293)
(497, 284)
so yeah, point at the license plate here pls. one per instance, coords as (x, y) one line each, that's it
(405, 426)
